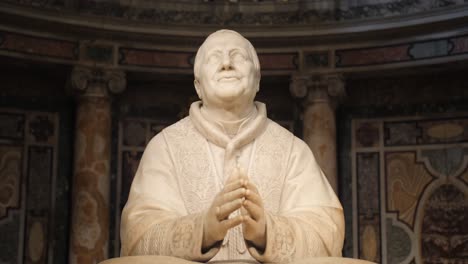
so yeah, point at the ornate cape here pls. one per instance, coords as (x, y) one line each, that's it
(185, 166)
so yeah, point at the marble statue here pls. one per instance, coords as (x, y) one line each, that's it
(226, 182)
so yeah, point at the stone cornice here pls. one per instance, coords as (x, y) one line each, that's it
(452, 47)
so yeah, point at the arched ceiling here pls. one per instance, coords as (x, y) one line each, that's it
(241, 12)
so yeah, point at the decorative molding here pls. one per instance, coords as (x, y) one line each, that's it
(97, 82)
(172, 59)
(156, 58)
(38, 46)
(231, 13)
(278, 61)
(404, 52)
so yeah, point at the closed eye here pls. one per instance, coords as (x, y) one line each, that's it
(237, 55)
(214, 57)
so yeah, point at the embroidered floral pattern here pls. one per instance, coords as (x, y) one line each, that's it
(268, 170)
(283, 242)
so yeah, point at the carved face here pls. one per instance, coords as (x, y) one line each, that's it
(227, 74)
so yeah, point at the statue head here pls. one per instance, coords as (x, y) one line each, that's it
(227, 70)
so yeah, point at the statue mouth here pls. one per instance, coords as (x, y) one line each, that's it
(228, 76)
(228, 79)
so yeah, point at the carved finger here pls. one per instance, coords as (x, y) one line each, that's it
(244, 211)
(232, 222)
(231, 196)
(225, 195)
(251, 186)
(254, 197)
(249, 222)
(234, 185)
(226, 209)
(255, 211)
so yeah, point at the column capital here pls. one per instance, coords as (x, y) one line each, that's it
(317, 87)
(97, 82)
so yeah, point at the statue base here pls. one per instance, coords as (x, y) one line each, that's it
(173, 260)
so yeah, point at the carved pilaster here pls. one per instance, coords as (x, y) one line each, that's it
(91, 175)
(320, 93)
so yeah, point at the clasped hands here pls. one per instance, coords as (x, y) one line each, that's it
(238, 193)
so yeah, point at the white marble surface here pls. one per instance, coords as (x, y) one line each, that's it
(172, 260)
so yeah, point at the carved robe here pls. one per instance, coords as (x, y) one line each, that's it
(186, 165)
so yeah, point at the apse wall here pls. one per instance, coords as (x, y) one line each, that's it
(404, 169)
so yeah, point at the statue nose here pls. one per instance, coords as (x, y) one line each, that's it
(226, 63)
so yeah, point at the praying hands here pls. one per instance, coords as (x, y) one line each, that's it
(238, 193)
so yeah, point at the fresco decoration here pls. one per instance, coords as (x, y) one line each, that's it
(447, 161)
(444, 233)
(405, 182)
(403, 52)
(134, 133)
(36, 240)
(367, 135)
(464, 175)
(204, 12)
(438, 131)
(369, 208)
(26, 214)
(420, 166)
(155, 58)
(39, 179)
(41, 128)
(372, 56)
(12, 125)
(398, 243)
(278, 61)
(39, 46)
(130, 162)
(401, 133)
(11, 240)
(10, 178)
(460, 45)
(98, 53)
(317, 59)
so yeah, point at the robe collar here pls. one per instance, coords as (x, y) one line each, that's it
(248, 132)
(212, 131)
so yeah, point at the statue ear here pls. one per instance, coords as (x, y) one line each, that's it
(196, 83)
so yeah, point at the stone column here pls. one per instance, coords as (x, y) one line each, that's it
(89, 236)
(319, 94)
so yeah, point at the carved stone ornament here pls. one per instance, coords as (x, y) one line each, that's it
(97, 82)
(298, 86)
(116, 81)
(317, 87)
(336, 85)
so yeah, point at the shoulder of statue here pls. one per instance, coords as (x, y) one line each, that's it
(179, 126)
(277, 129)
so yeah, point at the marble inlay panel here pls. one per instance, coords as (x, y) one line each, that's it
(423, 188)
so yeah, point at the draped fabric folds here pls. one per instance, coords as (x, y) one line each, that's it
(185, 166)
